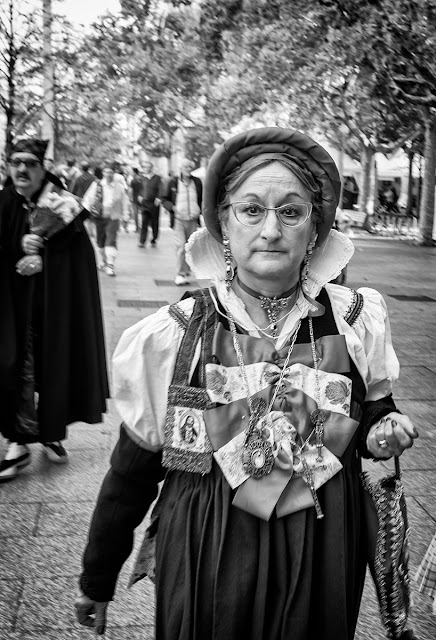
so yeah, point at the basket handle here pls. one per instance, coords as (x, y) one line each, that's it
(397, 467)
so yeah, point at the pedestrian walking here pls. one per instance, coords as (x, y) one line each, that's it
(149, 200)
(83, 181)
(135, 190)
(52, 352)
(254, 401)
(107, 202)
(183, 200)
(71, 174)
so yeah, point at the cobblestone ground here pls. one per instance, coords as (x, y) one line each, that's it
(45, 512)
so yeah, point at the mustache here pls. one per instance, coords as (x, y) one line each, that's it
(23, 175)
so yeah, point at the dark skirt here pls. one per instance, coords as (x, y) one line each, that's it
(223, 574)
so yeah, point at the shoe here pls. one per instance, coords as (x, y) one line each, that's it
(180, 280)
(153, 244)
(17, 457)
(110, 270)
(141, 245)
(56, 452)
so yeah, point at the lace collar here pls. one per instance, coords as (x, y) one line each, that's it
(205, 256)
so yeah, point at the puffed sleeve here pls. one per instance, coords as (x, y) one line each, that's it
(143, 365)
(369, 339)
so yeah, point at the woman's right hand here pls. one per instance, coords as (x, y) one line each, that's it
(31, 243)
(91, 613)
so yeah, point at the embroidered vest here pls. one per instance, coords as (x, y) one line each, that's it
(187, 446)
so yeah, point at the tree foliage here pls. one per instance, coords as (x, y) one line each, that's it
(362, 73)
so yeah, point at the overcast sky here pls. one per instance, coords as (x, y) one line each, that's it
(85, 11)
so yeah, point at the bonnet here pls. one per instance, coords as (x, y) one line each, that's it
(298, 146)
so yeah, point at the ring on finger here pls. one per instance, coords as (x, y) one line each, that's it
(383, 444)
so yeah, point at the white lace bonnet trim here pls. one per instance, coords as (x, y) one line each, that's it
(205, 257)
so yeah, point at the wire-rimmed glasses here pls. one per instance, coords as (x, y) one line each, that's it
(29, 164)
(292, 214)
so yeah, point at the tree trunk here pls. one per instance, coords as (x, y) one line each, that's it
(11, 65)
(409, 204)
(48, 113)
(365, 182)
(426, 214)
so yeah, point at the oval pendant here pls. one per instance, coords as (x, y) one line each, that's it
(258, 458)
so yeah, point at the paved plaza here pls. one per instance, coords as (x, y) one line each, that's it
(45, 512)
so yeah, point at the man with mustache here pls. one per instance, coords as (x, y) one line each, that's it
(52, 357)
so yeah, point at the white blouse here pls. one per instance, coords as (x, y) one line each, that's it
(144, 360)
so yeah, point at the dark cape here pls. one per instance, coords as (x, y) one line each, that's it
(60, 308)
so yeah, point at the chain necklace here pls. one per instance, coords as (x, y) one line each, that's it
(257, 452)
(272, 305)
(318, 416)
(264, 330)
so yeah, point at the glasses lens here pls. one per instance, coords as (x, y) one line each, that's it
(292, 215)
(249, 213)
(29, 164)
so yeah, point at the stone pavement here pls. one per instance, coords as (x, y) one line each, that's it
(45, 512)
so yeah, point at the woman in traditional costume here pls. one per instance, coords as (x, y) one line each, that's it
(254, 400)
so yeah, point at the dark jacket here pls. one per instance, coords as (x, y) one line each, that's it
(62, 307)
(82, 184)
(150, 189)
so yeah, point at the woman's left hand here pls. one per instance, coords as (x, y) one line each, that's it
(390, 436)
(29, 265)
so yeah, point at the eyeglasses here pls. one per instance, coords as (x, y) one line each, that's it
(29, 164)
(292, 214)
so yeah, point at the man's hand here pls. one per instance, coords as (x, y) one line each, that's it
(31, 243)
(91, 613)
(390, 436)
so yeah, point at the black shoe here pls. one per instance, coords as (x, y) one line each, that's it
(17, 457)
(153, 243)
(141, 245)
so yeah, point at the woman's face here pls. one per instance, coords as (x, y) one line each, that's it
(269, 251)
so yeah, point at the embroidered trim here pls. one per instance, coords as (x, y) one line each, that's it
(180, 460)
(178, 315)
(355, 308)
(200, 326)
(193, 397)
(192, 335)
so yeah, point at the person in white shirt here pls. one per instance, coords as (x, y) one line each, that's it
(183, 201)
(107, 201)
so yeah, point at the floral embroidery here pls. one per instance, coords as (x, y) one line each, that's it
(216, 380)
(336, 392)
